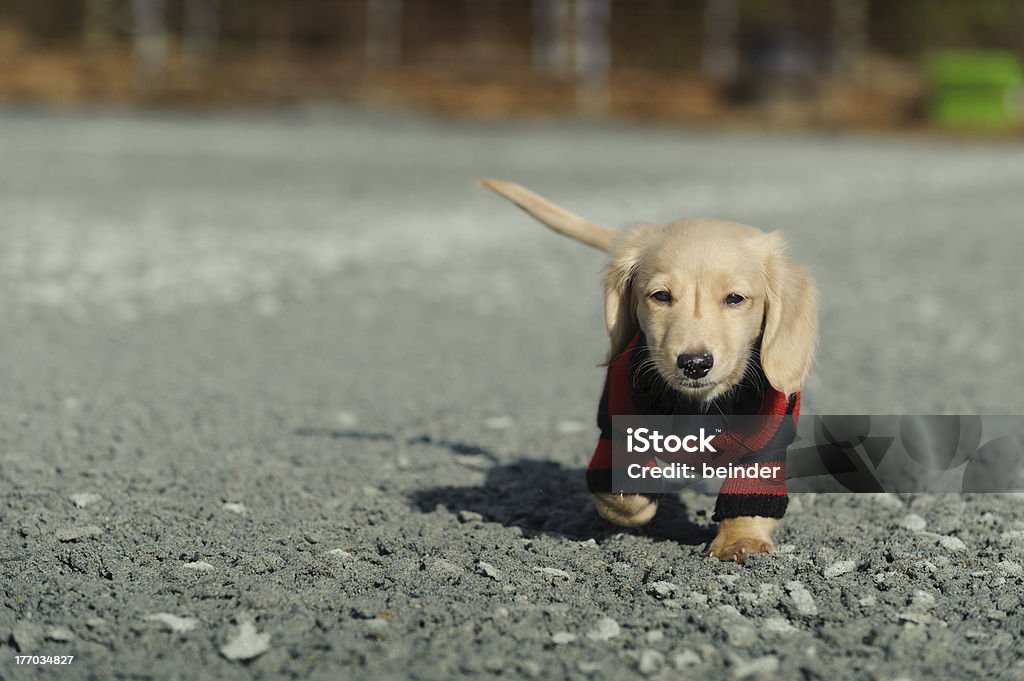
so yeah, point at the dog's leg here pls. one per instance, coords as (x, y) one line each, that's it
(741, 537)
(629, 510)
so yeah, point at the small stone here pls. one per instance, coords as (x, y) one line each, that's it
(346, 419)
(606, 629)
(83, 499)
(477, 462)
(376, 624)
(868, 602)
(570, 427)
(662, 590)
(685, 659)
(553, 572)
(236, 508)
(589, 544)
(922, 600)
(741, 636)
(885, 577)
(339, 553)
(1010, 568)
(489, 570)
(444, 568)
(778, 625)
(651, 661)
(173, 622)
(198, 566)
(841, 568)
(246, 644)
(530, 668)
(802, 598)
(499, 423)
(469, 517)
(767, 665)
(770, 594)
(95, 622)
(728, 610)
(729, 580)
(69, 534)
(655, 636)
(61, 634)
(562, 637)
(913, 522)
(952, 543)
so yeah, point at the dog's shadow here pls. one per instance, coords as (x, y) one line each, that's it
(540, 497)
(546, 498)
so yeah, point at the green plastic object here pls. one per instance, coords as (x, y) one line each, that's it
(975, 90)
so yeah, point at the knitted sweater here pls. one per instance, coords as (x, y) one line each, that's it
(631, 391)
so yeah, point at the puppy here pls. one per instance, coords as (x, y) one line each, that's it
(716, 315)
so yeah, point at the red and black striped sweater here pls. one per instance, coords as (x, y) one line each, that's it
(631, 391)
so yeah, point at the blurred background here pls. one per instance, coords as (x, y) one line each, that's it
(939, 64)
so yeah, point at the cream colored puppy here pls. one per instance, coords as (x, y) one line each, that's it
(702, 292)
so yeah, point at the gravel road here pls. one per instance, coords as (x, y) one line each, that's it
(287, 397)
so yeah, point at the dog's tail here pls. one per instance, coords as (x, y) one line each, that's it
(558, 219)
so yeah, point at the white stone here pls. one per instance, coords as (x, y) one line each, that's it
(952, 543)
(606, 629)
(651, 661)
(489, 570)
(553, 572)
(246, 644)
(802, 598)
(840, 568)
(83, 499)
(913, 522)
(176, 624)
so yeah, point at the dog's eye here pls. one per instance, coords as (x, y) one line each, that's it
(662, 296)
(733, 299)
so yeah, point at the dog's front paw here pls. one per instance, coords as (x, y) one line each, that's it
(740, 538)
(628, 510)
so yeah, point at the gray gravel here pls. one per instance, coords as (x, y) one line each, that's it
(289, 398)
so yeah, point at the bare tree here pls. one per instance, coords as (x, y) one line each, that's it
(100, 23)
(482, 16)
(202, 29)
(383, 32)
(851, 37)
(551, 52)
(593, 56)
(149, 27)
(720, 55)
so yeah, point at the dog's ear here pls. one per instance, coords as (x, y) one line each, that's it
(790, 318)
(619, 304)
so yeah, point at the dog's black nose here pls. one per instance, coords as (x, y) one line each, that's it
(695, 365)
